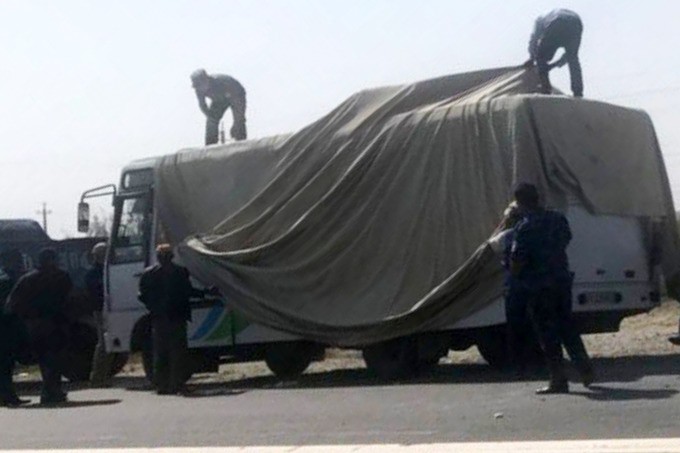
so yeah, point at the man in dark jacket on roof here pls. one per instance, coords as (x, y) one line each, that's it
(224, 92)
(165, 290)
(559, 28)
(39, 299)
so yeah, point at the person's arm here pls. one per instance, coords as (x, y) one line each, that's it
(189, 289)
(202, 104)
(534, 39)
(143, 294)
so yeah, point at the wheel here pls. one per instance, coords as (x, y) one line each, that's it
(81, 342)
(493, 347)
(288, 360)
(393, 359)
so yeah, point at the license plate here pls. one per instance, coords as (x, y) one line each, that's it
(602, 297)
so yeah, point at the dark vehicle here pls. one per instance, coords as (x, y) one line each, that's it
(29, 238)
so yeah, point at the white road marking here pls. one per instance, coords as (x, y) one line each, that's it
(671, 445)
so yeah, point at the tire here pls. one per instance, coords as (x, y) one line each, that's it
(81, 342)
(493, 347)
(288, 360)
(393, 359)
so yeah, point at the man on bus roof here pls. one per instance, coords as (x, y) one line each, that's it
(224, 92)
(559, 28)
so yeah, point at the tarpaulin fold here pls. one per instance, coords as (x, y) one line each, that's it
(371, 223)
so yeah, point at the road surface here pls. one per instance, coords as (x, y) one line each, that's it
(637, 397)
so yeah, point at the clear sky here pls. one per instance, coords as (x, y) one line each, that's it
(90, 85)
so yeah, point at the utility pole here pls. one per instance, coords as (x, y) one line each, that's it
(44, 212)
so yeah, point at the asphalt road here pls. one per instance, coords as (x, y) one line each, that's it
(635, 398)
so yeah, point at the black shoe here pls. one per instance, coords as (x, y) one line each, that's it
(554, 388)
(165, 392)
(13, 401)
(587, 377)
(53, 399)
(675, 340)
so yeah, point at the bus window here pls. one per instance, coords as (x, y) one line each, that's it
(129, 244)
(136, 179)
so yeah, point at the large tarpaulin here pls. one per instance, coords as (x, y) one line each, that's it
(371, 223)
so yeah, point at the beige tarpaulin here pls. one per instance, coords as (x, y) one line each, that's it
(371, 223)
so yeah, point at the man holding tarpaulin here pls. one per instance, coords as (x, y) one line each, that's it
(540, 275)
(559, 28)
(165, 289)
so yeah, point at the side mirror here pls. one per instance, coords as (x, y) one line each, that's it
(83, 217)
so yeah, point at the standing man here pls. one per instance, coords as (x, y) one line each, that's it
(94, 284)
(559, 28)
(39, 299)
(223, 91)
(165, 290)
(13, 337)
(539, 270)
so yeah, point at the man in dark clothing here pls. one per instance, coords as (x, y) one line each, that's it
(539, 270)
(165, 290)
(39, 299)
(559, 28)
(13, 336)
(223, 91)
(94, 284)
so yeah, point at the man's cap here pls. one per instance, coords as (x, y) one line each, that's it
(526, 192)
(163, 249)
(198, 75)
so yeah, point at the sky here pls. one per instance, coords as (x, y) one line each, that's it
(88, 86)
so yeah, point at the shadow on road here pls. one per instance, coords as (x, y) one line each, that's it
(72, 404)
(606, 393)
(609, 370)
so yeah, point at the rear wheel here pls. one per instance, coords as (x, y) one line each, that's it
(393, 359)
(493, 346)
(288, 360)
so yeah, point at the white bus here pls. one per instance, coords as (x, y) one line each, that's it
(611, 257)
